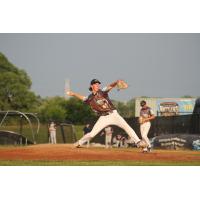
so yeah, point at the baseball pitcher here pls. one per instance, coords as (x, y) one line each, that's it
(99, 101)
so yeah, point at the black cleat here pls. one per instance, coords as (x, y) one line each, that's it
(149, 149)
(77, 145)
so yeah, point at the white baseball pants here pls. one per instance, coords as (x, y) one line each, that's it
(108, 140)
(144, 129)
(112, 119)
(53, 137)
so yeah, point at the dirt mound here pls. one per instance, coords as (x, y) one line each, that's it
(68, 152)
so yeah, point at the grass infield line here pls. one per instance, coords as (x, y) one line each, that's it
(95, 163)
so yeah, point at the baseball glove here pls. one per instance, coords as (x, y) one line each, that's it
(121, 85)
(141, 120)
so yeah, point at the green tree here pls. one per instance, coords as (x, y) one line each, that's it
(52, 109)
(187, 96)
(77, 112)
(71, 110)
(131, 108)
(125, 109)
(122, 109)
(15, 85)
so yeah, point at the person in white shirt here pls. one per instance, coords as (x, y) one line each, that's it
(52, 132)
(108, 136)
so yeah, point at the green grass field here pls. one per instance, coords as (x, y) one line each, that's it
(96, 163)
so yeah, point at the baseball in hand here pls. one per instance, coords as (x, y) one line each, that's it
(68, 93)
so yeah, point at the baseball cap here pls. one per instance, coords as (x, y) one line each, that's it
(142, 103)
(93, 81)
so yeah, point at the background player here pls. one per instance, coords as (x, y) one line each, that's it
(146, 115)
(108, 131)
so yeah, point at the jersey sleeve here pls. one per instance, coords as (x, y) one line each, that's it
(151, 112)
(105, 89)
(86, 100)
(105, 92)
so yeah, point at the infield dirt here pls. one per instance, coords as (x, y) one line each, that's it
(66, 152)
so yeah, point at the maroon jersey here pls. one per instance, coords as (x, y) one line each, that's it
(146, 112)
(100, 102)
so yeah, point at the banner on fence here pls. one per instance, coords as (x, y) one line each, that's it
(167, 106)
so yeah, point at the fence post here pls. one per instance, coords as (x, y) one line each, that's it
(20, 140)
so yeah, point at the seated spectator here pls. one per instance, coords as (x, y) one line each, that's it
(117, 141)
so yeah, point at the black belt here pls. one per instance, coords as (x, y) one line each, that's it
(106, 113)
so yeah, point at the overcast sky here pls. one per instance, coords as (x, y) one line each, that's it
(155, 65)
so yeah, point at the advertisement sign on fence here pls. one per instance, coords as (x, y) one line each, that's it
(167, 106)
